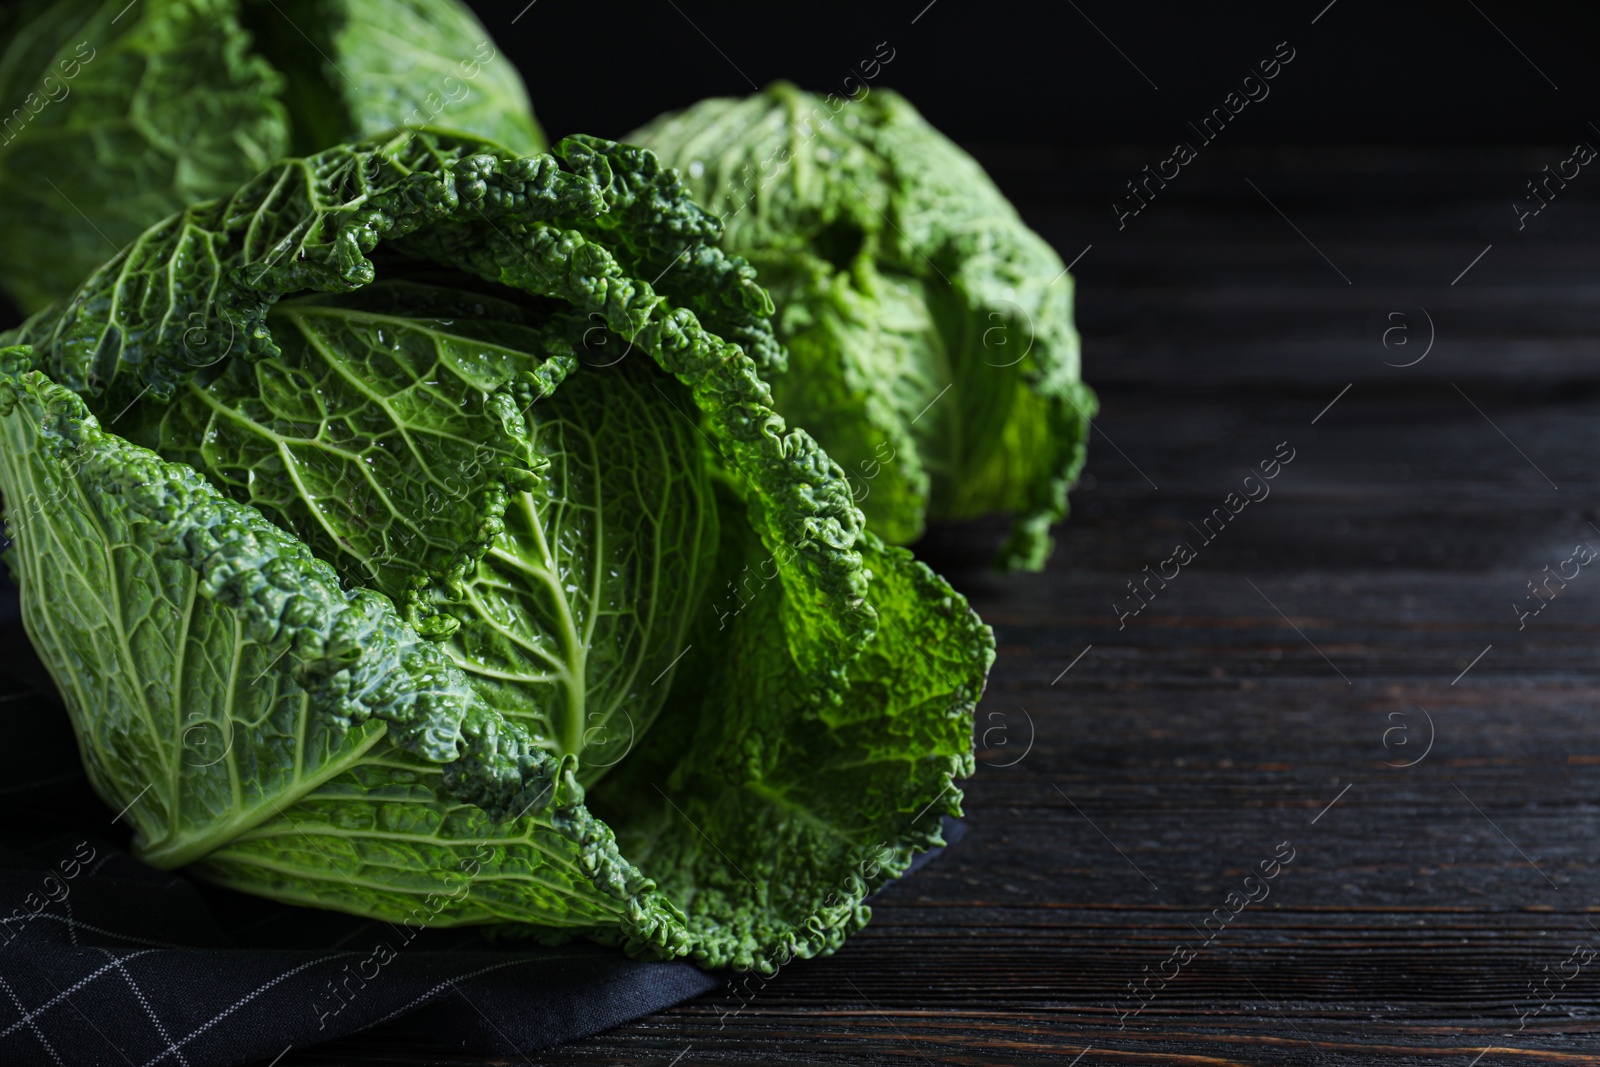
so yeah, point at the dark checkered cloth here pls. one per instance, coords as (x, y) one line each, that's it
(129, 966)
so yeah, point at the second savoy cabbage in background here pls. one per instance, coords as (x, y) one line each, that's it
(929, 332)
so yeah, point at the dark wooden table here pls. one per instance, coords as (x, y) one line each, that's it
(1266, 702)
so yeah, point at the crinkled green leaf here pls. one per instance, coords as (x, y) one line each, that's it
(782, 817)
(326, 349)
(387, 442)
(227, 690)
(930, 337)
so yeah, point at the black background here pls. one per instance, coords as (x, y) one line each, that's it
(1367, 72)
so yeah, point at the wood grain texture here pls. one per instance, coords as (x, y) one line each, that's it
(1267, 694)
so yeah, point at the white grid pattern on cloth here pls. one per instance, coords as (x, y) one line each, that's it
(72, 925)
(241, 1002)
(144, 1002)
(29, 1016)
(174, 1048)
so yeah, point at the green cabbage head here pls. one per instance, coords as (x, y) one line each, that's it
(929, 331)
(411, 534)
(114, 115)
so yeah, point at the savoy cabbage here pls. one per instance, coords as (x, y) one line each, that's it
(115, 115)
(411, 533)
(929, 332)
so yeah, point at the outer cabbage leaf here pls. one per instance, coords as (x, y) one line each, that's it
(806, 742)
(782, 817)
(121, 115)
(225, 688)
(929, 331)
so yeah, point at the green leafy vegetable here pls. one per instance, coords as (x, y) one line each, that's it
(113, 116)
(929, 332)
(408, 537)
